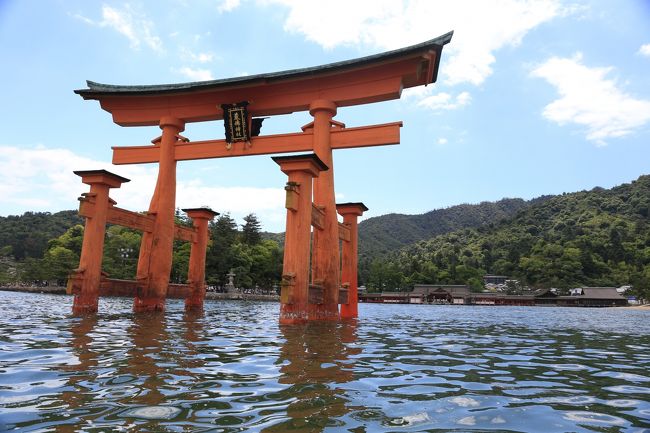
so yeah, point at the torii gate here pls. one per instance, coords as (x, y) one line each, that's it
(320, 90)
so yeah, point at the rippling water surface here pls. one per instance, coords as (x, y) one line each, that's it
(400, 368)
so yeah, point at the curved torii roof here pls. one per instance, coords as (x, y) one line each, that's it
(374, 78)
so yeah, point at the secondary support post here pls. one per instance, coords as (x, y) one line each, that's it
(350, 256)
(152, 295)
(86, 278)
(294, 295)
(196, 272)
(326, 257)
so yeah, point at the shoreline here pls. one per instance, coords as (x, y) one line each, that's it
(59, 290)
(50, 290)
(638, 307)
(212, 296)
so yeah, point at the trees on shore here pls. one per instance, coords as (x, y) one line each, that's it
(589, 238)
(256, 262)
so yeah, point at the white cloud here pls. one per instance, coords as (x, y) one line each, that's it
(84, 19)
(134, 26)
(228, 5)
(442, 100)
(645, 50)
(195, 74)
(442, 141)
(42, 179)
(481, 27)
(589, 99)
(206, 57)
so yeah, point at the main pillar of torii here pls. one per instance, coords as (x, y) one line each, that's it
(320, 90)
(325, 258)
(156, 248)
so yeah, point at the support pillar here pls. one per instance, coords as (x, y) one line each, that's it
(196, 272)
(350, 256)
(85, 280)
(326, 257)
(151, 296)
(294, 295)
(144, 258)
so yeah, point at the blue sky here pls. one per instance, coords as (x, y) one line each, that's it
(532, 98)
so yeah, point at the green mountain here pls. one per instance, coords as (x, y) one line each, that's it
(590, 238)
(27, 235)
(383, 234)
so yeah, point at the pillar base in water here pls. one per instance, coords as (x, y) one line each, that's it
(313, 313)
(84, 305)
(193, 304)
(141, 305)
(324, 312)
(292, 317)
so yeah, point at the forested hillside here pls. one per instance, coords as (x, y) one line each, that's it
(596, 238)
(589, 238)
(49, 246)
(27, 235)
(386, 233)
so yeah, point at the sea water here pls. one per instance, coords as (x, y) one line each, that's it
(399, 368)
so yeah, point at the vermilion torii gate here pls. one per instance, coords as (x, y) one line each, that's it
(313, 294)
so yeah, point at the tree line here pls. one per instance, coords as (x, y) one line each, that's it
(589, 238)
(255, 261)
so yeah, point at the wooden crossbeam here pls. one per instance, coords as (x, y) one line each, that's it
(344, 232)
(341, 138)
(318, 221)
(120, 217)
(133, 220)
(317, 217)
(187, 234)
(109, 287)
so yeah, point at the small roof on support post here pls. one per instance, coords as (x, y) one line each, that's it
(204, 212)
(356, 208)
(102, 177)
(308, 162)
(364, 80)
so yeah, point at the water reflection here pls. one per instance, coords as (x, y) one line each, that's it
(146, 358)
(315, 358)
(135, 375)
(81, 374)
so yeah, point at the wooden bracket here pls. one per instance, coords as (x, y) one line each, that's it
(75, 280)
(344, 293)
(286, 288)
(293, 191)
(316, 292)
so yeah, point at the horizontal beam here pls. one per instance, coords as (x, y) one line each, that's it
(364, 80)
(343, 138)
(182, 233)
(265, 99)
(110, 287)
(120, 217)
(344, 232)
(317, 217)
(133, 220)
